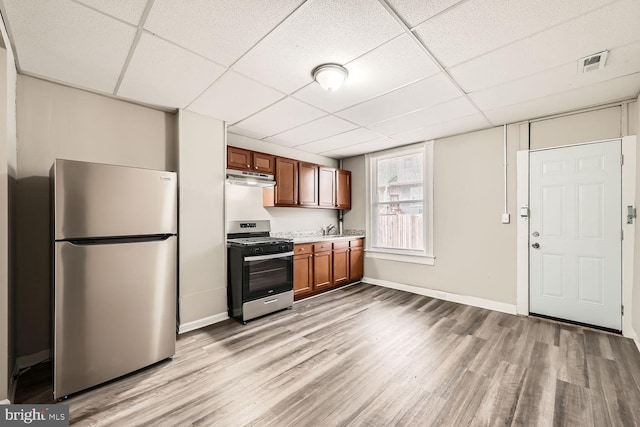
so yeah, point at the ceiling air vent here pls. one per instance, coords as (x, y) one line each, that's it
(592, 62)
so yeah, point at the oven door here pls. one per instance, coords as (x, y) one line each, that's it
(266, 275)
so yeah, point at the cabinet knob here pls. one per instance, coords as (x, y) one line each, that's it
(248, 166)
(256, 167)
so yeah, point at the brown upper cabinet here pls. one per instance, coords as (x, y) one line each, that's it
(308, 184)
(298, 184)
(343, 189)
(327, 187)
(241, 159)
(286, 189)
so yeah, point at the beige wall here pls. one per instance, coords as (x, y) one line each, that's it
(8, 168)
(354, 219)
(55, 121)
(589, 126)
(202, 250)
(245, 203)
(635, 315)
(475, 253)
(4, 229)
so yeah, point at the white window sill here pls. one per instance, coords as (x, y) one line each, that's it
(412, 259)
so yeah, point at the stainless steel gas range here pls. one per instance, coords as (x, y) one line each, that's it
(260, 270)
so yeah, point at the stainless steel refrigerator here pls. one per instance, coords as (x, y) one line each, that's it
(115, 257)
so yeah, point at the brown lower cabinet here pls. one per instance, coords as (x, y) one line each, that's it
(302, 269)
(321, 266)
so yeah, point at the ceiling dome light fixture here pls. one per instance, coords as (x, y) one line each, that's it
(330, 76)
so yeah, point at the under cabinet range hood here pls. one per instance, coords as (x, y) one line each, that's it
(252, 179)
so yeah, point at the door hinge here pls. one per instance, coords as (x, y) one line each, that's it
(622, 310)
(621, 234)
(621, 159)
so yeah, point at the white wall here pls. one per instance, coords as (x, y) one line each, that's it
(475, 253)
(55, 121)
(245, 203)
(202, 251)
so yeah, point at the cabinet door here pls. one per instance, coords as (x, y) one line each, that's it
(356, 267)
(327, 187)
(340, 266)
(343, 189)
(308, 184)
(264, 163)
(302, 274)
(286, 190)
(322, 269)
(237, 158)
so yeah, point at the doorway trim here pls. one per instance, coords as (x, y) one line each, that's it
(628, 246)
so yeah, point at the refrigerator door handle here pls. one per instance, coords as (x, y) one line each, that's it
(118, 240)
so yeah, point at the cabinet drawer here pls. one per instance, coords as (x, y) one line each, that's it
(340, 245)
(322, 246)
(305, 248)
(355, 243)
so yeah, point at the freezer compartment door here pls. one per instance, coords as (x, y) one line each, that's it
(114, 310)
(96, 200)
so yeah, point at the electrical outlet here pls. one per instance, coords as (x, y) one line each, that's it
(506, 218)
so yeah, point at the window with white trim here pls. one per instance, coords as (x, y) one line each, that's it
(399, 204)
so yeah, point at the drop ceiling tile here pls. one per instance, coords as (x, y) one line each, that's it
(609, 91)
(318, 32)
(620, 62)
(339, 141)
(130, 10)
(161, 73)
(68, 42)
(414, 12)
(362, 148)
(220, 30)
(444, 112)
(441, 130)
(557, 46)
(244, 132)
(455, 127)
(281, 116)
(416, 96)
(479, 26)
(317, 129)
(384, 69)
(234, 97)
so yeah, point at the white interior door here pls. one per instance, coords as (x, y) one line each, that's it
(575, 233)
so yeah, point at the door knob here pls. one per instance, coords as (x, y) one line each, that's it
(536, 245)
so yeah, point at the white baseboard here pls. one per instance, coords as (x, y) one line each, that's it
(5, 402)
(631, 333)
(201, 323)
(461, 299)
(32, 359)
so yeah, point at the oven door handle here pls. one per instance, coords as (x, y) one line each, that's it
(272, 256)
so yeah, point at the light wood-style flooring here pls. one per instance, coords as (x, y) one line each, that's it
(371, 356)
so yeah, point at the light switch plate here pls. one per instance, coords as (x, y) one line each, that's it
(506, 218)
